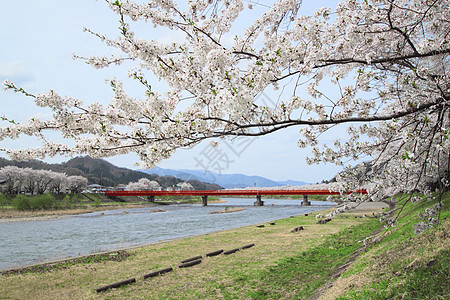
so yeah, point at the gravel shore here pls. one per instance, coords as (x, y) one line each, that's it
(33, 218)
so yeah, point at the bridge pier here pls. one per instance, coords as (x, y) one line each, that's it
(204, 200)
(151, 198)
(305, 201)
(258, 201)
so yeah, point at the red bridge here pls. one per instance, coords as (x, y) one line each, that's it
(204, 194)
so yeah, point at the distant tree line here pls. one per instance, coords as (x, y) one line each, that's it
(99, 171)
(145, 184)
(17, 180)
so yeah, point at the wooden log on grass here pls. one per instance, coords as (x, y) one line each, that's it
(231, 251)
(190, 264)
(214, 253)
(247, 246)
(191, 259)
(116, 285)
(159, 272)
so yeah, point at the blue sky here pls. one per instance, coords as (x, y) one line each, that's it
(38, 39)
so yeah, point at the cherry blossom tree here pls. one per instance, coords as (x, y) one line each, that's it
(58, 182)
(142, 185)
(44, 179)
(76, 183)
(185, 186)
(33, 181)
(388, 60)
(13, 177)
(29, 184)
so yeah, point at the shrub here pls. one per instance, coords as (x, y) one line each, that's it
(67, 202)
(21, 202)
(3, 201)
(45, 201)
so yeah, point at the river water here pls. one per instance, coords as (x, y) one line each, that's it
(31, 242)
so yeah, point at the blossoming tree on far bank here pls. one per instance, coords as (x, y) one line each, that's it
(388, 59)
(142, 185)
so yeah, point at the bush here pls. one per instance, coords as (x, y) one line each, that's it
(3, 201)
(67, 202)
(45, 201)
(21, 202)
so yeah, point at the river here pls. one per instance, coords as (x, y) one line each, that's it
(32, 242)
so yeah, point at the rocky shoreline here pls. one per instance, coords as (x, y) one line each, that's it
(33, 218)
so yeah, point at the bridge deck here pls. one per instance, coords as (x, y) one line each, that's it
(225, 193)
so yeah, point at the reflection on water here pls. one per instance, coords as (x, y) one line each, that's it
(23, 243)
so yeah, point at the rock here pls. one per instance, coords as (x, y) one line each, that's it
(432, 263)
(324, 221)
(297, 229)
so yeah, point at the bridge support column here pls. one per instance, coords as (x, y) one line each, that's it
(204, 200)
(151, 198)
(258, 201)
(305, 201)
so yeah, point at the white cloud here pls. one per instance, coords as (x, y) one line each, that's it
(17, 72)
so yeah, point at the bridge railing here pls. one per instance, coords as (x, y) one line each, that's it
(226, 192)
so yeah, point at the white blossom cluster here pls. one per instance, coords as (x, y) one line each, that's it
(389, 60)
(143, 184)
(338, 211)
(184, 186)
(32, 181)
(429, 219)
(319, 186)
(387, 220)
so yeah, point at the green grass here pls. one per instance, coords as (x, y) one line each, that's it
(64, 264)
(47, 201)
(429, 281)
(304, 272)
(42, 202)
(404, 265)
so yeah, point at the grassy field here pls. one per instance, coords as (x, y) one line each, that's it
(402, 265)
(316, 262)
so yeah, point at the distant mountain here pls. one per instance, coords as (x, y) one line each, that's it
(100, 171)
(175, 173)
(292, 182)
(225, 180)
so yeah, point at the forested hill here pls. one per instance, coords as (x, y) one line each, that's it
(102, 172)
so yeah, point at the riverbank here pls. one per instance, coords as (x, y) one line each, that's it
(292, 258)
(215, 277)
(13, 215)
